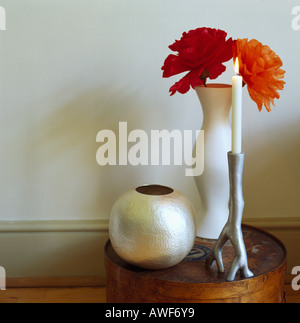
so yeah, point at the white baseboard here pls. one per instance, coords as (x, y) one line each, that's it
(283, 224)
(54, 226)
(53, 249)
(76, 248)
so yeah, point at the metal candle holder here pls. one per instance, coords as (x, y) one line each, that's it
(233, 228)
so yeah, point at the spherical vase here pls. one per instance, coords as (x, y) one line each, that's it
(152, 227)
(213, 184)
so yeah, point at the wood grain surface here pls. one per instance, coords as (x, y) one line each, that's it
(191, 281)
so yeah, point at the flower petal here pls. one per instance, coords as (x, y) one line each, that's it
(173, 65)
(192, 79)
(261, 71)
(198, 50)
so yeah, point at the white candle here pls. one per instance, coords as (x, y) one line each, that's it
(237, 87)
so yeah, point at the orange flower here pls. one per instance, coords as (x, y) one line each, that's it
(260, 69)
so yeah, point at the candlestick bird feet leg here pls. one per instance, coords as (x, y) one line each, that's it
(240, 262)
(233, 228)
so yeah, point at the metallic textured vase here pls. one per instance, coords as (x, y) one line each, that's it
(233, 228)
(152, 227)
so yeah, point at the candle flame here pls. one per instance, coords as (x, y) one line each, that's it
(237, 67)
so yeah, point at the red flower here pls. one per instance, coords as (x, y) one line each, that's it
(201, 52)
(261, 70)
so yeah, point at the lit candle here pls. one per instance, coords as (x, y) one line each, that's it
(237, 87)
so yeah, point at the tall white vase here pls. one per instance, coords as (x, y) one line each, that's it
(213, 184)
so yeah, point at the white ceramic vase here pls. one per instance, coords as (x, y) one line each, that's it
(213, 184)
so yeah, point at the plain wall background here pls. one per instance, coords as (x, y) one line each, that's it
(70, 68)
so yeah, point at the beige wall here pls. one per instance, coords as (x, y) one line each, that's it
(70, 68)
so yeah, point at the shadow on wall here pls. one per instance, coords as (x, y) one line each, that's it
(272, 176)
(67, 182)
(64, 148)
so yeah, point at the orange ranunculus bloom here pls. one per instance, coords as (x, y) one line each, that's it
(261, 70)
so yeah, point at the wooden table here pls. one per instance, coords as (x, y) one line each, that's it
(192, 282)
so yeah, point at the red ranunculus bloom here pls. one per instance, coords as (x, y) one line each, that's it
(201, 53)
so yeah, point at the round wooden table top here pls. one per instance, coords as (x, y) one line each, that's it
(266, 258)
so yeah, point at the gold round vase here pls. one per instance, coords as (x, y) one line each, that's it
(152, 227)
